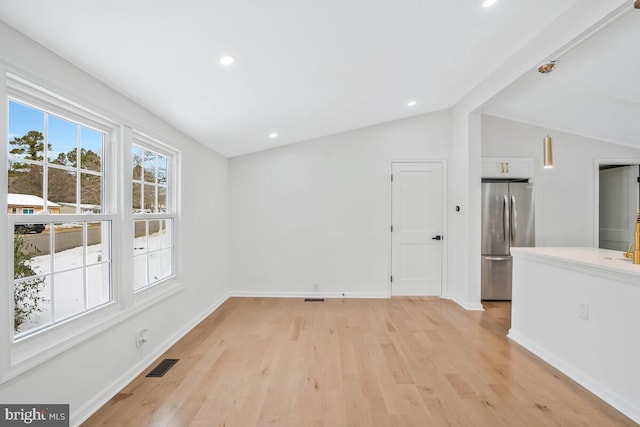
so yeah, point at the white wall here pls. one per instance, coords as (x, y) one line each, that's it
(91, 372)
(319, 211)
(549, 287)
(565, 194)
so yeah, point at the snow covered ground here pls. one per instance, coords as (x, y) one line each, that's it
(65, 292)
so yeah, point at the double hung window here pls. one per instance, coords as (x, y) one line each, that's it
(62, 260)
(154, 212)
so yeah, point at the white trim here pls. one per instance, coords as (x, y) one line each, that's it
(36, 96)
(6, 291)
(85, 411)
(124, 273)
(464, 304)
(596, 191)
(253, 294)
(154, 144)
(612, 398)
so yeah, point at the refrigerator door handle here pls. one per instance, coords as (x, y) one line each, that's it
(505, 218)
(514, 219)
(495, 258)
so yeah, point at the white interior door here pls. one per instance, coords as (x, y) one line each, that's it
(416, 215)
(619, 193)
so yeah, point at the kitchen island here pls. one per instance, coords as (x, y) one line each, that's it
(579, 310)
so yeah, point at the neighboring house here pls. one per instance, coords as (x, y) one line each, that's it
(70, 208)
(29, 204)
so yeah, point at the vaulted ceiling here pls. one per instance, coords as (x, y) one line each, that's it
(303, 69)
(593, 91)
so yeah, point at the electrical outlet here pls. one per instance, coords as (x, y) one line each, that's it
(583, 311)
(315, 286)
(142, 336)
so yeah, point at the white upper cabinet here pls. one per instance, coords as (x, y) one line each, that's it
(507, 167)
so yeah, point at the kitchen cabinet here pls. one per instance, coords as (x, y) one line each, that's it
(507, 167)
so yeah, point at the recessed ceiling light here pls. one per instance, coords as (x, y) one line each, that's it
(227, 60)
(489, 3)
(273, 135)
(412, 103)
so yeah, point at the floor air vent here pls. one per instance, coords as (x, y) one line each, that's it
(162, 368)
(314, 300)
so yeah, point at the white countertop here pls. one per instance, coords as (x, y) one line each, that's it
(588, 258)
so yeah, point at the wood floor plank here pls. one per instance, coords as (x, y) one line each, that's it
(349, 362)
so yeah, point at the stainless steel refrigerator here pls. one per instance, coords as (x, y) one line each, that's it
(507, 221)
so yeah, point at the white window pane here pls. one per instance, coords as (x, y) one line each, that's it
(90, 193)
(162, 170)
(137, 198)
(162, 199)
(167, 234)
(98, 285)
(31, 253)
(25, 179)
(155, 238)
(32, 304)
(167, 262)
(140, 237)
(26, 129)
(68, 294)
(62, 190)
(155, 267)
(150, 162)
(136, 162)
(90, 149)
(148, 198)
(62, 137)
(97, 247)
(139, 271)
(69, 250)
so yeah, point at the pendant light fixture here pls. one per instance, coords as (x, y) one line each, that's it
(547, 143)
(547, 150)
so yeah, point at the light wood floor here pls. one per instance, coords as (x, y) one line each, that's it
(398, 362)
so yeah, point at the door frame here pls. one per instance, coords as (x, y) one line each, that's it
(596, 191)
(444, 285)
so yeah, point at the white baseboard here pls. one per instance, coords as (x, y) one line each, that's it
(80, 415)
(253, 294)
(465, 304)
(612, 398)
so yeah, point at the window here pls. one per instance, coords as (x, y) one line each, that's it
(68, 218)
(62, 253)
(154, 212)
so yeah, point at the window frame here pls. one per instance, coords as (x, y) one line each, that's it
(148, 143)
(32, 96)
(23, 353)
(21, 356)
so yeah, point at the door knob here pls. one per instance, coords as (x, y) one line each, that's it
(436, 238)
